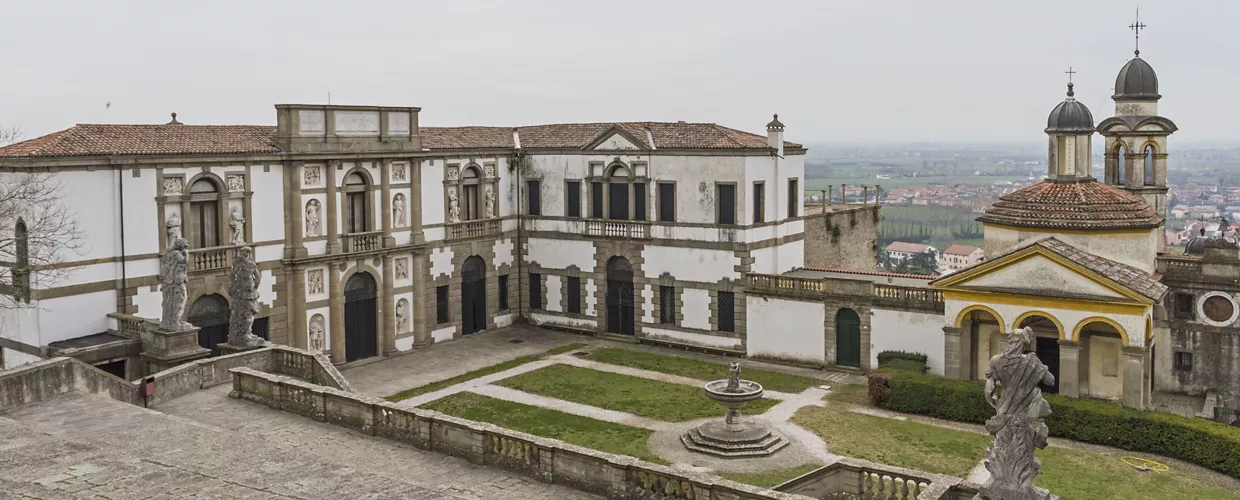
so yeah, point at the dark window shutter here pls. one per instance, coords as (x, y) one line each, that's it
(727, 312)
(596, 200)
(574, 295)
(667, 305)
(793, 200)
(639, 202)
(726, 201)
(759, 203)
(503, 292)
(536, 291)
(667, 202)
(535, 198)
(441, 304)
(573, 207)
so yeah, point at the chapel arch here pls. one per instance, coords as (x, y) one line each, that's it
(1047, 332)
(985, 329)
(1101, 358)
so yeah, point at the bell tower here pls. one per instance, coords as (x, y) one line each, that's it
(1070, 130)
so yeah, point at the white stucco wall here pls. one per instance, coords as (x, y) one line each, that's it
(1137, 249)
(892, 330)
(552, 284)
(691, 338)
(559, 254)
(785, 329)
(692, 264)
(695, 308)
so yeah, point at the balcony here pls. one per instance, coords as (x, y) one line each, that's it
(786, 284)
(362, 242)
(211, 259)
(618, 229)
(473, 229)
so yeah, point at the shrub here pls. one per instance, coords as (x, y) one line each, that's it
(1203, 442)
(900, 360)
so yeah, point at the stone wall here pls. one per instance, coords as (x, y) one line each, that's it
(49, 378)
(842, 237)
(867, 480)
(549, 460)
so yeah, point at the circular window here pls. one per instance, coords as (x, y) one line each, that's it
(1218, 309)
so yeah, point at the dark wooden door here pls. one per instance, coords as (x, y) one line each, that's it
(848, 338)
(620, 296)
(1047, 349)
(210, 314)
(360, 321)
(473, 296)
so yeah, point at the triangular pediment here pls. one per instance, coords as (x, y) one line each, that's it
(1037, 271)
(616, 139)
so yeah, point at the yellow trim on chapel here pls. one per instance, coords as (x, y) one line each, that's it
(1031, 251)
(1040, 302)
(1076, 332)
(978, 307)
(1030, 314)
(1086, 232)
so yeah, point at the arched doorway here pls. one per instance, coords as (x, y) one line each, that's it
(210, 314)
(985, 331)
(848, 338)
(1046, 334)
(619, 296)
(473, 295)
(1102, 363)
(360, 332)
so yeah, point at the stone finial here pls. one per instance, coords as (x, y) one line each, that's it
(174, 120)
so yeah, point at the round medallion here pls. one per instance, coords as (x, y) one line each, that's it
(1218, 309)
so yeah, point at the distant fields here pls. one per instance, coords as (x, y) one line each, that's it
(814, 186)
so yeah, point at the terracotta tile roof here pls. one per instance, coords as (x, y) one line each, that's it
(871, 273)
(126, 140)
(466, 137)
(901, 246)
(666, 135)
(964, 250)
(1072, 205)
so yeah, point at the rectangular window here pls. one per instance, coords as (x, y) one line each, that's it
(260, 328)
(639, 202)
(534, 198)
(667, 305)
(441, 304)
(205, 232)
(759, 203)
(725, 200)
(727, 312)
(1184, 305)
(574, 295)
(536, 291)
(618, 200)
(794, 198)
(503, 292)
(596, 200)
(1183, 361)
(572, 207)
(469, 209)
(667, 202)
(355, 213)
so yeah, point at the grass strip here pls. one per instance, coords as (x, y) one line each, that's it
(582, 431)
(654, 399)
(770, 478)
(701, 370)
(1090, 476)
(481, 372)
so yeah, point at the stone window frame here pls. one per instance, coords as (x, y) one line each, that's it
(678, 303)
(456, 185)
(833, 305)
(795, 192)
(631, 251)
(758, 208)
(572, 272)
(739, 329)
(659, 202)
(1182, 361)
(368, 188)
(738, 203)
(581, 187)
(605, 173)
(223, 195)
(1201, 313)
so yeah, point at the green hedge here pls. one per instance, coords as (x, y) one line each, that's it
(900, 360)
(1200, 441)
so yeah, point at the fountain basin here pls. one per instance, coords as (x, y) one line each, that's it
(732, 437)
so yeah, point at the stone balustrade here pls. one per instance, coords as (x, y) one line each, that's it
(128, 325)
(362, 242)
(1180, 266)
(473, 229)
(211, 259)
(786, 284)
(927, 299)
(548, 460)
(871, 481)
(900, 297)
(618, 229)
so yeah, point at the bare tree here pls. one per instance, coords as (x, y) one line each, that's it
(37, 231)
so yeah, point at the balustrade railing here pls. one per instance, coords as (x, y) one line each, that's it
(618, 229)
(886, 485)
(1181, 266)
(473, 229)
(129, 325)
(211, 259)
(362, 242)
(921, 298)
(772, 283)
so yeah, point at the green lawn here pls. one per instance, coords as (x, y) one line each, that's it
(481, 372)
(1081, 475)
(581, 431)
(770, 478)
(648, 398)
(895, 442)
(701, 370)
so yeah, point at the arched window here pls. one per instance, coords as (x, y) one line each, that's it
(470, 181)
(626, 195)
(204, 210)
(21, 271)
(357, 217)
(1121, 158)
(1149, 165)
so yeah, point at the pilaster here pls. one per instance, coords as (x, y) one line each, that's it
(385, 191)
(298, 332)
(333, 235)
(336, 308)
(388, 327)
(1069, 368)
(952, 359)
(415, 207)
(1134, 377)
(968, 361)
(421, 332)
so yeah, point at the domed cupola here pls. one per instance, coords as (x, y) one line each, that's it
(1070, 117)
(1136, 82)
(1196, 245)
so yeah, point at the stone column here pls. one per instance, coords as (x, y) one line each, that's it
(336, 308)
(968, 365)
(1134, 377)
(1069, 368)
(388, 328)
(415, 207)
(385, 191)
(952, 360)
(333, 236)
(421, 334)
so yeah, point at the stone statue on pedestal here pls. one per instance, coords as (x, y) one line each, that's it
(173, 227)
(244, 278)
(734, 377)
(236, 222)
(454, 207)
(173, 275)
(1017, 426)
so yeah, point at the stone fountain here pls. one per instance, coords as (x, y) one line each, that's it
(733, 437)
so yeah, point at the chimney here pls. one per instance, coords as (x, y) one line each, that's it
(775, 135)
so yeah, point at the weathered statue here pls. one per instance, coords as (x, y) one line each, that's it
(236, 222)
(173, 227)
(734, 377)
(398, 211)
(1017, 425)
(244, 277)
(173, 275)
(312, 218)
(454, 207)
(316, 333)
(400, 317)
(490, 203)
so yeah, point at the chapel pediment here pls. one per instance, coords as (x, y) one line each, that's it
(616, 138)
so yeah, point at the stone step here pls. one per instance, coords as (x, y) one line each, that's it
(774, 446)
(765, 441)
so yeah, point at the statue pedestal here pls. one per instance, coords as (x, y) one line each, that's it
(227, 348)
(163, 349)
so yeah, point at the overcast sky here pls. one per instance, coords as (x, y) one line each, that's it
(837, 71)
